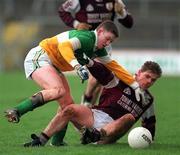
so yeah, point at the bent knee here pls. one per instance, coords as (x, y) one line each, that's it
(69, 111)
(59, 92)
(92, 80)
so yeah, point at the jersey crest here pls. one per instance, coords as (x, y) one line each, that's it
(89, 8)
(127, 91)
(109, 6)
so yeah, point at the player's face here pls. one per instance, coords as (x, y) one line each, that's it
(104, 38)
(146, 79)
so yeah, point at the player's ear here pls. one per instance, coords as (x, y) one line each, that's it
(137, 73)
(100, 30)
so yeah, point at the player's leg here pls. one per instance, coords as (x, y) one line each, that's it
(67, 98)
(88, 95)
(116, 129)
(52, 88)
(76, 113)
(92, 134)
(57, 139)
(110, 132)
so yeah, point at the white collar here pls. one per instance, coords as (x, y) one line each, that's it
(96, 38)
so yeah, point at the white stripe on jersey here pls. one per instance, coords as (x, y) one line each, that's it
(63, 36)
(76, 44)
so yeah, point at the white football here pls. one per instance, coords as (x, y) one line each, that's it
(139, 137)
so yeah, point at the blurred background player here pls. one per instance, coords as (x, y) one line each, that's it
(117, 111)
(88, 14)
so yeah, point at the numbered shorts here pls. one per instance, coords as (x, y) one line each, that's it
(35, 59)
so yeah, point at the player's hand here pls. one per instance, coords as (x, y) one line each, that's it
(139, 93)
(119, 8)
(82, 72)
(83, 26)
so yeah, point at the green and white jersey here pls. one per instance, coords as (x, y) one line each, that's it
(87, 43)
(84, 42)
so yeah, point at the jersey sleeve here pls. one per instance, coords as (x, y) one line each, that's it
(120, 72)
(67, 10)
(80, 43)
(149, 120)
(101, 73)
(127, 20)
(86, 45)
(67, 48)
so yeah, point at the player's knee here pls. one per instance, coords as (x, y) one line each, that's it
(59, 92)
(69, 111)
(92, 80)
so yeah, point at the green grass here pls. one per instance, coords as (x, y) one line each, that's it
(14, 88)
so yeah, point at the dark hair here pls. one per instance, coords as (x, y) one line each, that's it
(153, 67)
(109, 26)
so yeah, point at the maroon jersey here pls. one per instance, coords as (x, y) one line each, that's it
(92, 12)
(118, 99)
(121, 100)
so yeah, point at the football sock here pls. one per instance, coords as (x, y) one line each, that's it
(43, 138)
(97, 135)
(30, 104)
(24, 107)
(88, 98)
(57, 139)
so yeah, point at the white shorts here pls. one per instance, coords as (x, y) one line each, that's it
(101, 118)
(35, 59)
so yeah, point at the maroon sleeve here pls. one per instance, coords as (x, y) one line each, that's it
(150, 125)
(101, 73)
(66, 17)
(127, 21)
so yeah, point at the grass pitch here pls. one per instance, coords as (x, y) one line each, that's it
(14, 88)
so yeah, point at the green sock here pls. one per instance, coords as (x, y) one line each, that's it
(31, 103)
(57, 138)
(24, 106)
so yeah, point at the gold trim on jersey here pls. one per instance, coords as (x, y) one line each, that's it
(60, 53)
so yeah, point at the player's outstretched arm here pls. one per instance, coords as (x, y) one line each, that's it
(124, 17)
